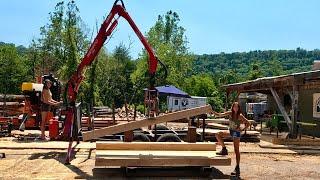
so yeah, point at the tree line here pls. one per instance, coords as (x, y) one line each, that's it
(116, 79)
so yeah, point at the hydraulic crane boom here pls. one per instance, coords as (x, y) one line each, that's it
(105, 31)
(72, 87)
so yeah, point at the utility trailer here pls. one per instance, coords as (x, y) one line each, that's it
(154, 154)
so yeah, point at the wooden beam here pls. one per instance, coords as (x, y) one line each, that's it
(216, 126)
(290, 94)
(155, 154)
(212, 132)
(163, 162)
(128, 136)
(146, 122)
(161, 146)
(281, 108)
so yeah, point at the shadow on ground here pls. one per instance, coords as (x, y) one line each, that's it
(136, 173)
(61, 157)
(160, 172)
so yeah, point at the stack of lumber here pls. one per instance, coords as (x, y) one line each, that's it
(248, 136)
(214, 126)
(164, 154)
(11, 108)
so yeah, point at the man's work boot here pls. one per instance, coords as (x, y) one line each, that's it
(236, 171)
(223, 151)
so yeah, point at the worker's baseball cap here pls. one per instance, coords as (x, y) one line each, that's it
(47, 80)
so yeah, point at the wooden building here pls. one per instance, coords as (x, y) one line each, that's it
(296, 96)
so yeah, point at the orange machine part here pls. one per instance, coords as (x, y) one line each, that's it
(53, 128)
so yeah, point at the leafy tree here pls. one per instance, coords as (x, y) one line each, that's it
(115, 83)
(255, 71)
(62, 44)
(13, 70)
(203, 85)
(170, 44)
(63, 41)
(275, 68)
(272, 62)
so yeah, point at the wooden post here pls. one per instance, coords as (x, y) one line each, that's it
(192, 123)
(155, 132)
(282, 109)
(128, 136)
(113, 115)
(198, 123)
(226, 103)
(294, 117)
(203, 128)
(192, 134)
(135, 112)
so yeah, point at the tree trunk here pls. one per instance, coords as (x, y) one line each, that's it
(135, 112)
(113, 113)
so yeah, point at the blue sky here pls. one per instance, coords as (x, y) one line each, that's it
(212, 26)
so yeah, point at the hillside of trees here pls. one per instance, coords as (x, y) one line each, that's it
(117, 79)
(269, 62)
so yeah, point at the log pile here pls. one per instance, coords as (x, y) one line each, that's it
(11, 105)
(103, 117)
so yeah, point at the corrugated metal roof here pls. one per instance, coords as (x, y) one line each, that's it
(274, 78)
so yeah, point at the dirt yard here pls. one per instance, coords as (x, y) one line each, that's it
(48, 164)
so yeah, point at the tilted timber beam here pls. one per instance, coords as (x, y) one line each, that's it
(146, 122)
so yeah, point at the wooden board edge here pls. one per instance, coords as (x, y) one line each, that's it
(164, 146)
(163, 162)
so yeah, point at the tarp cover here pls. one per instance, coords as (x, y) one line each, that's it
(170, 90)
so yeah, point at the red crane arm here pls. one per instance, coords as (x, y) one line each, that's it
(74, 82)
(105, 31)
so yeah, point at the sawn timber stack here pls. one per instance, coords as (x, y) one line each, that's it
(160, 154)
(146, 122)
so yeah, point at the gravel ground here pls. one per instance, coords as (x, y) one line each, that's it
(48, 164)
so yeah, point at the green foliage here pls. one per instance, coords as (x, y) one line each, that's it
(203, 85)
(140, 108)
(170, 44)
(63, 41)
(255, 72)
(275, 68)
(114, 82)
(271, 62)
(13, 69)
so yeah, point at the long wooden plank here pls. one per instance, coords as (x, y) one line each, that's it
(163, 162)
(145, 122)
(221, 121)
(155, 154)
(217, 126)
(212, 132)
(161, 146)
